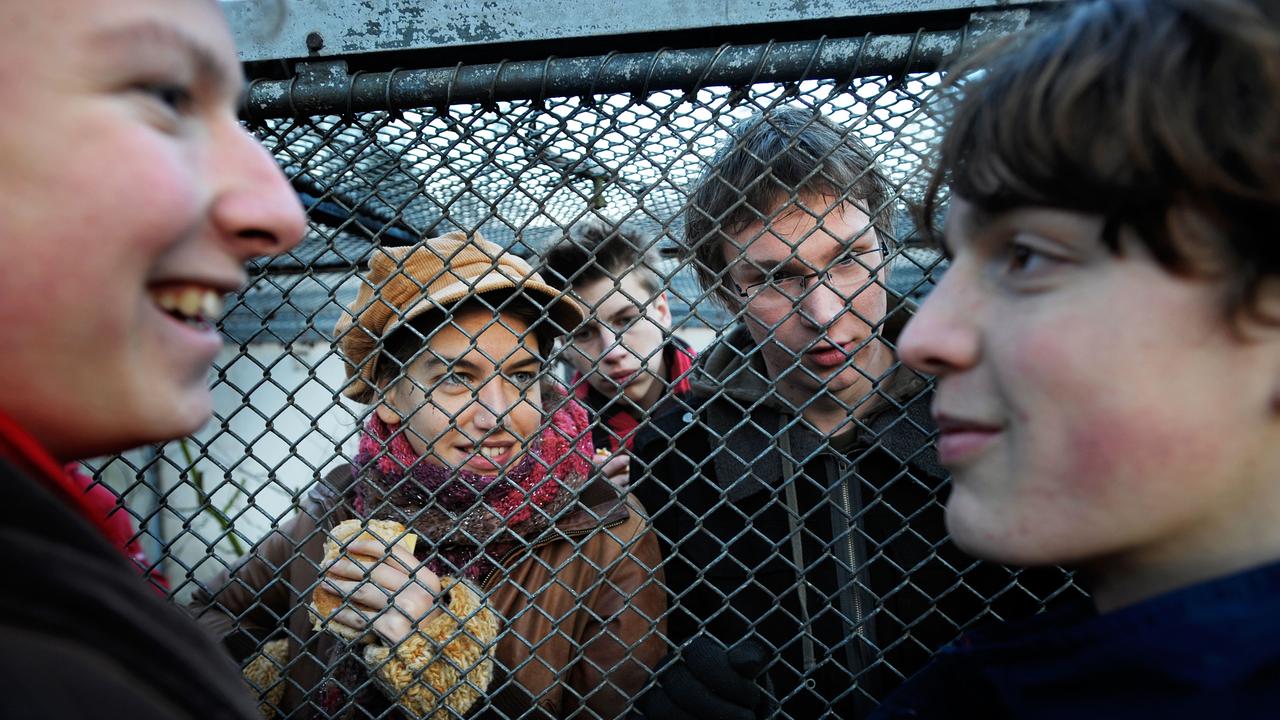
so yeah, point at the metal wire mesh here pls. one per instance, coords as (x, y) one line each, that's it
(826, 546)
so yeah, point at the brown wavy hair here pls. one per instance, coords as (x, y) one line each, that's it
(769, 159)
(1159, 115)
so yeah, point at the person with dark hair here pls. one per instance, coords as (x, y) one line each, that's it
(523, 585)
(131, 199)
(798, 500)
(627, 364)
(1106, 343)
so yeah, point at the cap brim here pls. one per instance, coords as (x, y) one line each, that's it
(562, 309)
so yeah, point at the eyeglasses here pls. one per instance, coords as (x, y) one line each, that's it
(783, 285)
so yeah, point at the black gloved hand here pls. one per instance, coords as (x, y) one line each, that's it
(705, 681)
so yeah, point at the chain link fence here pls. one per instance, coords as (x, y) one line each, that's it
(751, 515)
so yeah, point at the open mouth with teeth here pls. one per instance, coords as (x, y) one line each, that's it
(193, 305)
(488, 458)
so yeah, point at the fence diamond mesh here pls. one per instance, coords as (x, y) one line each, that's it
(776, 495)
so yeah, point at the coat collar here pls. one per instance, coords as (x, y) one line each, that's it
(743, 411)
(22, 449)
(1206, 650)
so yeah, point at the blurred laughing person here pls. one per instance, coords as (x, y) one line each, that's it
(130, 200)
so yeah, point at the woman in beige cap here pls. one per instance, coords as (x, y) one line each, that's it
(532, 583)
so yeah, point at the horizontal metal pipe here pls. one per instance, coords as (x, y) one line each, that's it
(336, 93)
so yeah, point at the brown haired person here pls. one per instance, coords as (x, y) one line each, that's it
(798, 502)
(1107, 348)
(628, 366)
(532, 587)
(130, 200)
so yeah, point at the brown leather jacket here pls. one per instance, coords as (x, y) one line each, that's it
(583, 607)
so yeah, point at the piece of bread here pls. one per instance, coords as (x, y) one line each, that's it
(323, 602)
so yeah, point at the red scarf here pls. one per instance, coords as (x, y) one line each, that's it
(94, 501)
(622, 425)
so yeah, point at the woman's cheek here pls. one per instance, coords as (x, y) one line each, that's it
(430, 429)
(527, 416)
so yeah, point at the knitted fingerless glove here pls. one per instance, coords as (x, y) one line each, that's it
(262, 672)
(444, 668)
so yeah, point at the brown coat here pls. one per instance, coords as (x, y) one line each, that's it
(583, 607)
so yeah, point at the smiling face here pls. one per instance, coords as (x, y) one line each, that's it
(814, 337)
(471, 397)
(130, 200)
(620, 348)
(1093, 407)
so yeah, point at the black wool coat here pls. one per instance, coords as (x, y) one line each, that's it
(833, 551)
(85, 636)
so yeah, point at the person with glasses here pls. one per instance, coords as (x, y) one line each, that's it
(627, 365)
(798, 499)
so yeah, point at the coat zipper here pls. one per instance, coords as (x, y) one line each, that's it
(853, 568)
(797, 548)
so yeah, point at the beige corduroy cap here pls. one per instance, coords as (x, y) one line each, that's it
(405, 282)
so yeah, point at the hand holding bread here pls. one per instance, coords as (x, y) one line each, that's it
(616, 468)
(372, 581)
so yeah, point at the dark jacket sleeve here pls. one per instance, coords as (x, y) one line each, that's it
(85, 636)
(86, 681)
(246, 605)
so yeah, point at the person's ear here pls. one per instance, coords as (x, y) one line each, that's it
(662, 309)
(386, 410)
(1266, 328)
(387, 414)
